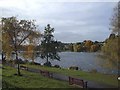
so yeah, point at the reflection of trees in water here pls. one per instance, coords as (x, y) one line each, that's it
(105, 62)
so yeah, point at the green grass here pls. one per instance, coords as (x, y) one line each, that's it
(0, 73)
(97, 77)
(30, 80)
(0, 76)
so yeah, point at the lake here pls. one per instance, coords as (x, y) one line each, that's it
(85, 61)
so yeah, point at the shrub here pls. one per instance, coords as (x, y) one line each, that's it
(56, 66)
(73, 67)
(37, 63)
(47, 64)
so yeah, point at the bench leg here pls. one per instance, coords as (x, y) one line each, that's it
(70, 81)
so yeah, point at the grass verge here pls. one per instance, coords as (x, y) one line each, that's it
(29, 80)
(97, 77)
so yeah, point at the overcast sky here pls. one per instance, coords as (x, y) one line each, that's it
(73, 20)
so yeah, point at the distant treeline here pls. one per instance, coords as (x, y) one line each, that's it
(85, 46)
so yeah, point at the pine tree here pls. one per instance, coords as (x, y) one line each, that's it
(49, 47)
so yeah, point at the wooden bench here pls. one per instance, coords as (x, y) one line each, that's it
(46, 74)
(76, 81)
(23, 67)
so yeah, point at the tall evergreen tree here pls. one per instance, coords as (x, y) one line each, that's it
(49, 47)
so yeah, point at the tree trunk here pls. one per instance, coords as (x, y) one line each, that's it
(2, 56)
(18, 65)
(47, 58)
(16, 49)
(33, 58)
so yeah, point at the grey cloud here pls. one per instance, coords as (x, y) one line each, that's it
(73, 21)
(68, 36)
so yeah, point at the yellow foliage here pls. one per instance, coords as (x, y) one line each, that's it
(29, 53)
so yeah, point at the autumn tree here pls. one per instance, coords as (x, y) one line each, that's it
(111, 47)
(30, 52)
(94, 47)
(115, 20)
(49, 47)
(71, 47)
(1, 40)
(31, 47)
(88, 44)
(17, 33)
(77, 47)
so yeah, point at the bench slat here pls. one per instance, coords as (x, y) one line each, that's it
(77, 82)
(46, 73)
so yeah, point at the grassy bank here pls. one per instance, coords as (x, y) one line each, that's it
(30, 80)
(0, 76)
(97, 77)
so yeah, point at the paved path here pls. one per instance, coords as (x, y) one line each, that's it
(91, 84)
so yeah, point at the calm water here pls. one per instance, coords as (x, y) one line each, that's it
(85, 61)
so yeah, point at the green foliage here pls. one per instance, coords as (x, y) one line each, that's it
(49, 47)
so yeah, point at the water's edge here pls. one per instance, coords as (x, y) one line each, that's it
(83, 60)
